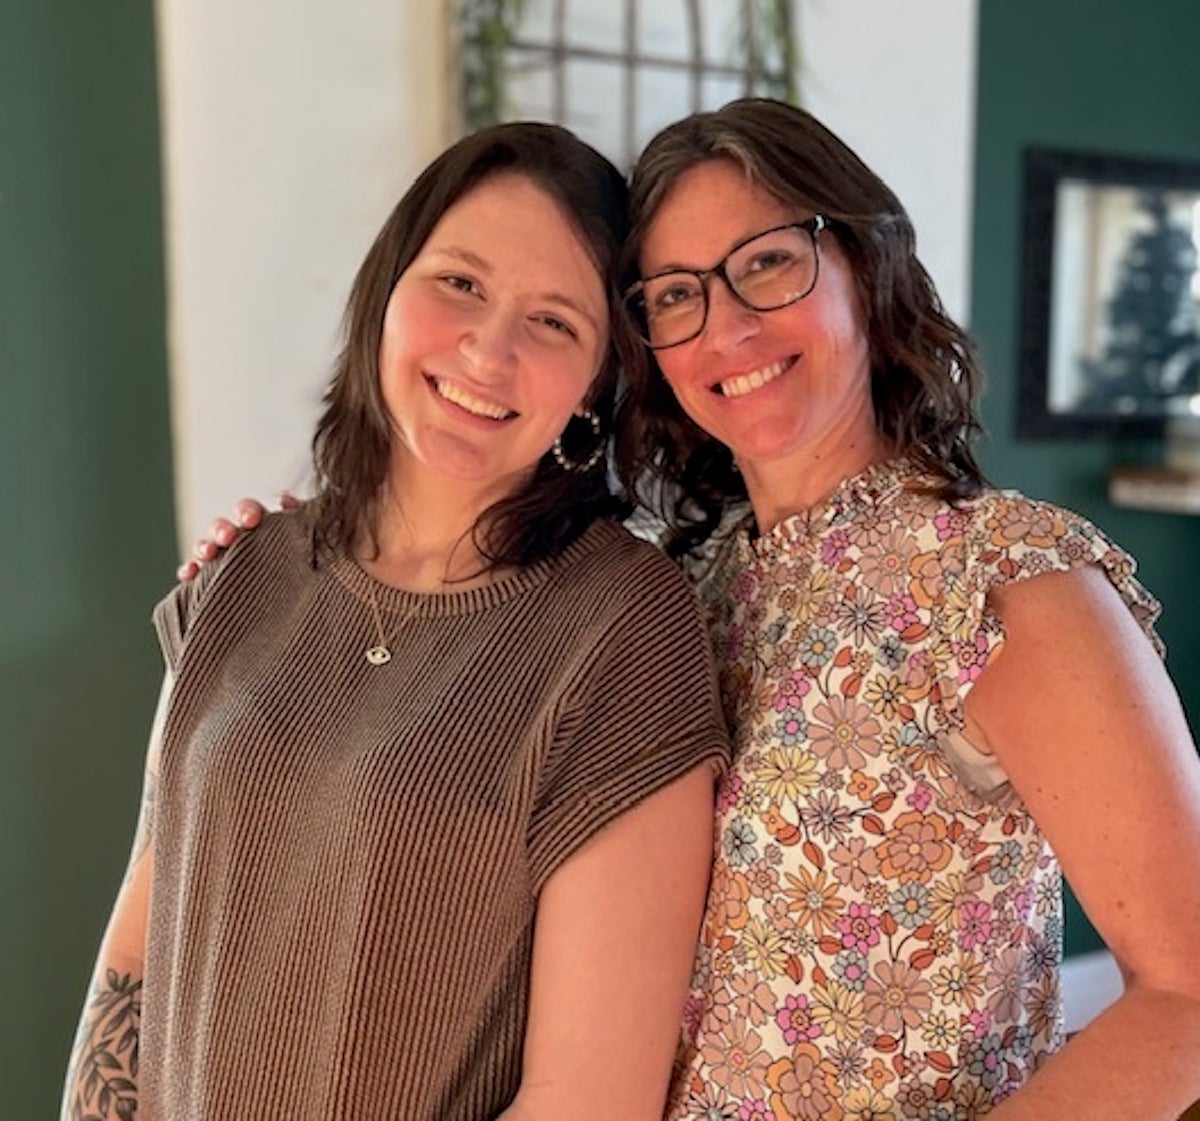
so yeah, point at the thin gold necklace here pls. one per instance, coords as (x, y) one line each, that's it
(380, 653)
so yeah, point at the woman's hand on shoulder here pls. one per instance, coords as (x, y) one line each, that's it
(223, 532)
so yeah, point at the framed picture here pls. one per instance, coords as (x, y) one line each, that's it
(1110, 308)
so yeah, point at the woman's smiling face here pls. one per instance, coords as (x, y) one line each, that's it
(775, 385)
(492, 338)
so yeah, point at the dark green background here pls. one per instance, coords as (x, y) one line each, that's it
(1103, 77)
(87, 508)
(84, 431)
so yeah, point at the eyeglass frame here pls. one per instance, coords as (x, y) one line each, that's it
(812, 226)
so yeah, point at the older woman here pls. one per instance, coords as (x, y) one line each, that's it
(941, 693)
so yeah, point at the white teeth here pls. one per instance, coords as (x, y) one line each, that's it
(465, 400)
(742, 384)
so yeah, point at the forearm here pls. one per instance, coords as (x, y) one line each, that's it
(103, 1071)
(1140, 1058)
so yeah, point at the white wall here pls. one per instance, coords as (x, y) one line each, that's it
(290, 129)
(292, 126)
(896, 81)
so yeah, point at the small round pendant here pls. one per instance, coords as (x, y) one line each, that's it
(379, 655)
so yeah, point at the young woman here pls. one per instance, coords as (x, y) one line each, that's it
(429, 795)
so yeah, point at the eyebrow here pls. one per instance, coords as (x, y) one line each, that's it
(560, 298)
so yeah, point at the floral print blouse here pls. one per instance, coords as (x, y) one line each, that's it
(884, 927)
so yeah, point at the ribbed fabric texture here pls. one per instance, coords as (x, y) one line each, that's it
(348, 857)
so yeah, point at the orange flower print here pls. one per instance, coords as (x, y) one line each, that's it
(815, 902)
(916, 848)
(736, 1060)
(884, 563)
(879, 1074)
(753, 999)
(896, 997)
(844, 733)
(926, 577)
(1032, 524)
(803, 1087)
(854, 864)
(728, 895)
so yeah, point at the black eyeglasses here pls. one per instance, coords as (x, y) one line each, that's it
(766, 271)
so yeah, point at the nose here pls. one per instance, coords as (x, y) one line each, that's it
(489, 344)
(729, 322)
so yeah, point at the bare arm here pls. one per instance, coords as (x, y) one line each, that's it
(616, 934)
(102, 1076)
(1086, 722)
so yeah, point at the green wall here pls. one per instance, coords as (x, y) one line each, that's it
(86, 492)
(1098, 77)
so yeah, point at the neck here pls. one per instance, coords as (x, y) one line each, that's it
(425, 540)
(783, 487)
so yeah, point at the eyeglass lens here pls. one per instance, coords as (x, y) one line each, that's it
(770, 271)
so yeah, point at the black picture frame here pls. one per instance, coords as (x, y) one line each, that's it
(1078, 377)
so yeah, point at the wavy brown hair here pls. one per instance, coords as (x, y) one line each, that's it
(925, 372)
(352, 445)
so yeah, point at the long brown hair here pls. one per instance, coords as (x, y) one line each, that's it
(351, 448)
(925, 372)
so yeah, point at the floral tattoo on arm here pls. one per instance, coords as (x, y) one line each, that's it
(102, 1084)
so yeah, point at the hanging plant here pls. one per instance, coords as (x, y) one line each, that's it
(487, 29)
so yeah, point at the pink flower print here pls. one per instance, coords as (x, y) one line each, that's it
(980, 1022)
(859, 928)
(1023, 901)
(795, 1020)
(754, 1111)
(729, 791)
(901, 611)
(920, 797)
(734, 645)
(951, 524)
(975, 923)
(834, 547)
(693, 1011)
(972, 658)
(791, 691)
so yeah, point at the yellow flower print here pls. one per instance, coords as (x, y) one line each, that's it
(788, 774)
(948, 895)
(765, 948)
(960, 983)
(814, 900)
(867, 1104)
(838, 1009)
(884, 693)
(958, 614)
(941, 1032)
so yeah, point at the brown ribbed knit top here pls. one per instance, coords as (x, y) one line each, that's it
(348, 857)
